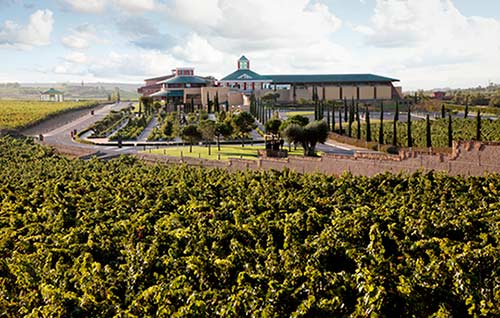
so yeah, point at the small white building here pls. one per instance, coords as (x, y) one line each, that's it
(52, 95)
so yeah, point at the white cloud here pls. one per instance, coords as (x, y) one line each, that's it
(81, 37)
(432, 40)
(233, 24)
(135, 5)
(134, 66)
(432, 25)
(76, 58)
(87, 6)
(36, 33)
(99, 6)
(197, 50)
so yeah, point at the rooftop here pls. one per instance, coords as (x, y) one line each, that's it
(244, 74)
(52, 92)
(329, 78)
(185, 80)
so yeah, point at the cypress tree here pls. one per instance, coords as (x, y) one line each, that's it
(396, 114)
(192, 104)
(410, 140)
(340, 122)
(209, 109)
(345, 109)
(216, 102)
(478, 126)
(428, 139)
(395, 130)
(349, 127)
(381, 129)
(450, 131)
(368, 126)
(328, 116)
(333, 116)
(443, 111)
(358, 121)
(466, 113)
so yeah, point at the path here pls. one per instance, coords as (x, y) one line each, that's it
(147, 131)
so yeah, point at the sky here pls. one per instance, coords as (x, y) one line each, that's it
(424, 43)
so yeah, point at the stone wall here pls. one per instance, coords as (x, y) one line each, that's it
(467, 158)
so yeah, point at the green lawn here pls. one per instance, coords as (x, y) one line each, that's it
(227, 151)
(300, 112)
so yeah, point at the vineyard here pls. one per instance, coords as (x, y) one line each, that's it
(463, 129)
(20, 114)
(122, 239)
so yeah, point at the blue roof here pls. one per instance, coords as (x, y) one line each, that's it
(329, 78)
(243, 58)
(185, 80)
(244, 74)
(176, 93)
(173, 93)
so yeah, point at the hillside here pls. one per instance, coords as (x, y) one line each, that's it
(71, 91)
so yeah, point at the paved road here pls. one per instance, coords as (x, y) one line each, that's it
(62, 135)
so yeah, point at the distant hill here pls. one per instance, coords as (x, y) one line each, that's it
(72, 91)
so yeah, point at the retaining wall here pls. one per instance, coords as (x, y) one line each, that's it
(467, 159)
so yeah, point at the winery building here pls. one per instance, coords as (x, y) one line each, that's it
(183, 86)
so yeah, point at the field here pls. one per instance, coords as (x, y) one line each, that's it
(20, 114)
(123, 239)
(227, 151)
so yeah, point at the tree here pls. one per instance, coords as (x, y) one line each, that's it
(333, 116)
(216, 102)
(146, 102)
(395, 131)
(345, 109)
(340, 122)
(381, 128)
(443, 111)
(368, 126)
(450, 131)
(243, 123)
(478, 126)
(396, 113)
(273, 126)
(428, 137)
(191, 134)
(209, 103)
(351, 118)
(308, 136)
(192, 104)
(466, 112)
(224, 129)
(358, 121)
(207, 129)
(296, 119)
(408, 125)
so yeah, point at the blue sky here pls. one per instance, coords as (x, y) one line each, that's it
(425, 43)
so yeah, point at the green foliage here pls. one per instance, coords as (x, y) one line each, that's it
(308, 136)
(463, 129)
(243, 123)
(107, 125)
(122, 239)
(19, 114)
(133, 129)
(273, 126)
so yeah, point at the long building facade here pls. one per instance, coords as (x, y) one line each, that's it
(182, 86)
